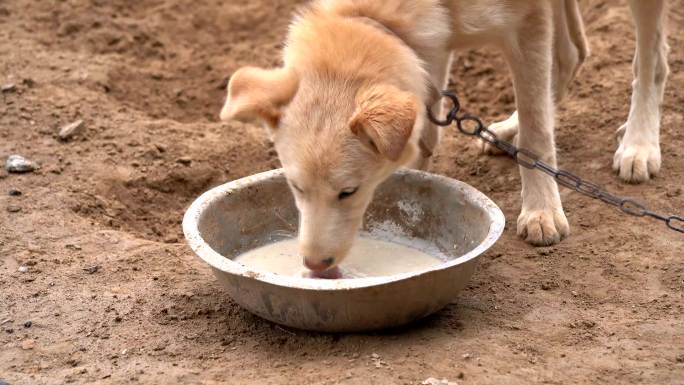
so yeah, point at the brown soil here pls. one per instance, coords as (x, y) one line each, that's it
(115, 296)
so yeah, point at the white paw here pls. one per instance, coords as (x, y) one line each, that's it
(636, 163)
(543, 227)
(506, 130)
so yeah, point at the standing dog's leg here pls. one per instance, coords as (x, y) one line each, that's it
(528, 52)
(438, 68)
(638, 156)
(570, 49)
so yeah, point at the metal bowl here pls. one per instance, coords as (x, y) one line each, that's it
(455, 221)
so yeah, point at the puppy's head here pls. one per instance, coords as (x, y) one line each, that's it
(337, 141)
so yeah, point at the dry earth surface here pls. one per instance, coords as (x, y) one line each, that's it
(97, 285)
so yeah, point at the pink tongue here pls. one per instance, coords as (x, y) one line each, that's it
(333, 273)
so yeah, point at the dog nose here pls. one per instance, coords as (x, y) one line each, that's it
(319, 265)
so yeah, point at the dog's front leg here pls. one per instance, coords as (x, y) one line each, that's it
(638, 156)
(528, 52)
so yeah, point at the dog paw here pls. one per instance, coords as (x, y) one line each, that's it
(506, 130)
(636, 163)
(543, 227)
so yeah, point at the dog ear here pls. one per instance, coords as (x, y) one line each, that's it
(259, 94)
(384, 119)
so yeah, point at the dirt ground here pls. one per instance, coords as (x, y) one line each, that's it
(112, 294)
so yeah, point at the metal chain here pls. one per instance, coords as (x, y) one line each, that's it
(473, 126)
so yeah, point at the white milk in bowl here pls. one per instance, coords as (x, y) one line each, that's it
(367, 258)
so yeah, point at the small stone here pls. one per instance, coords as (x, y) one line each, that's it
(14, 192)
(574, 293)
(7, 88)
(674, 193)
(91, 269)
(171, 239)
(28, 324)
(375, 356)
(461, 375)
(184, 161)
(68, 131)
(466, 356)
(23, 269)
(13, 209)
(55, 170)
(588, 324)
(19, 164)
(434, 381)
(28, 344)
(118, 319)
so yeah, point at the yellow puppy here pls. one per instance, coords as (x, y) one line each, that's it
(348, 106)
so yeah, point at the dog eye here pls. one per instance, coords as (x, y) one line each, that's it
(346, 193)
(294, 186)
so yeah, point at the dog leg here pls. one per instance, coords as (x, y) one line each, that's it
(570, 49)
(529, 55)
(438, 68)
(638, 155)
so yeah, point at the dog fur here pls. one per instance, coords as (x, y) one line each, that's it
(347, 107)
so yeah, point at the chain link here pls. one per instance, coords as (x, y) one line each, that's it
(473, 126)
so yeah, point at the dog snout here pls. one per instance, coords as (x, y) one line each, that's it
(318, 264)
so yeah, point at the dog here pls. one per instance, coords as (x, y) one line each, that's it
(348, 105)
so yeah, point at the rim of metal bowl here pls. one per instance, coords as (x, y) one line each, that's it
(225, 264)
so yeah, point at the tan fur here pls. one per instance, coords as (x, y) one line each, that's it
(255, 93)
(347, 107)
(385, 115)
